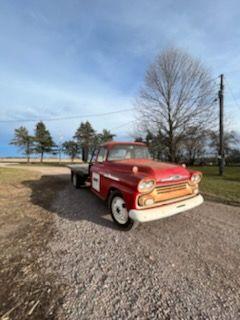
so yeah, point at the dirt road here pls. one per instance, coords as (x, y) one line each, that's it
(183, 267)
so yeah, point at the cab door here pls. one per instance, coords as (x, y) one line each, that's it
(97, 173)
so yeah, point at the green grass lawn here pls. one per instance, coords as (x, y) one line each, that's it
(225, 189)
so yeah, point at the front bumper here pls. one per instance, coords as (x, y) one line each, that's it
(165, 210)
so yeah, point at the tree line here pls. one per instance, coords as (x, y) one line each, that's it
(41, 142)
(195, 148)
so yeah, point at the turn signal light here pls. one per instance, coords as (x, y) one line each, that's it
(146, 200)
(149, 202)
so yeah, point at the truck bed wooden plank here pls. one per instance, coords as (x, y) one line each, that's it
(79, 168)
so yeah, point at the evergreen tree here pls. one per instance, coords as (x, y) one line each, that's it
(43, 140)
(138, 139)
(105, 136)
(85, 136)
(24, 141)
(71, 148)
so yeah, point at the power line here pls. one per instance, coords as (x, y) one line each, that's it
(232, 94)
(231, 72)
(122, 125)
(212, 80)
(66, 118)
(77, 116)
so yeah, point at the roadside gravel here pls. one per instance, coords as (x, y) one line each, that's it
(183, 267)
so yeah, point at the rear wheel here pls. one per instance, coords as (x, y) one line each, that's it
(76, 181)
(119, 211)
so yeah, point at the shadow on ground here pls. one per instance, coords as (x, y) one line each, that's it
(56, 194)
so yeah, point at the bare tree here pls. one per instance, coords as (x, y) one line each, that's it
(178, 94)
(230, 141)
(194, 145)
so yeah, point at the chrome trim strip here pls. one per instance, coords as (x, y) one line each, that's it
(109, 176)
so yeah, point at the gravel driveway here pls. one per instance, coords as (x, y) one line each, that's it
(183, 267)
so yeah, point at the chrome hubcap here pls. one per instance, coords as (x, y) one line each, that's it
(119, 210)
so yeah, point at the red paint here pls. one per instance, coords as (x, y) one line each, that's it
(119, 174)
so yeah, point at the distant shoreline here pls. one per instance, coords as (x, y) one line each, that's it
(36, 160)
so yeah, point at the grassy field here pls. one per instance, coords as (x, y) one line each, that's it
(26, 227)
(48, 164)
(222, 189)
(43, 164)
(225, 189)
(36, 161)
(11, 176)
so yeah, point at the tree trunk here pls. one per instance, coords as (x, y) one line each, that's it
(83, 154)
(172, 151)
(193, 160)
(28, 152)
(86, 154)
(41, 160)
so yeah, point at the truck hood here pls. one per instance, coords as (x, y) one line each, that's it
(162, 172)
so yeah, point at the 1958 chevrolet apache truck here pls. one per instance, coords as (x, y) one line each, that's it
(137, 188)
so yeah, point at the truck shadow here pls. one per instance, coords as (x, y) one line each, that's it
(56, 194)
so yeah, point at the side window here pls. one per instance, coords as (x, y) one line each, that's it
(102, 155)
(117, 153)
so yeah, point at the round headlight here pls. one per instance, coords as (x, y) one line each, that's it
(196, 178)
(146, 185)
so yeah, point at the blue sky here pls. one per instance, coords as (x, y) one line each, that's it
(64, 58)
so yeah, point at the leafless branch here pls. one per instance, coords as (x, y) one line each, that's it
(178, 94)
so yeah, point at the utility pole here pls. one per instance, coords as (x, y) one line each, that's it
(221, 129)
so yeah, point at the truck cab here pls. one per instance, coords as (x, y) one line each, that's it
(137, 188)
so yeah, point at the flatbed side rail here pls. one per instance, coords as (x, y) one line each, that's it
(79, 168)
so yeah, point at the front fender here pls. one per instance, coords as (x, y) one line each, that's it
(128, 193)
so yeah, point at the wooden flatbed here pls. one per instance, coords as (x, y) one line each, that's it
(79, 174)
(79, 168)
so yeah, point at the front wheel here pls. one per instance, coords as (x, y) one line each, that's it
(119, 211)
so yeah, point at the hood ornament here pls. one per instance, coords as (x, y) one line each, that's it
(172, 178)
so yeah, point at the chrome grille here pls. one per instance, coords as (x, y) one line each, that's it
(171, 188)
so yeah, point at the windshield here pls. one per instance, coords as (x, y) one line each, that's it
(122, 152)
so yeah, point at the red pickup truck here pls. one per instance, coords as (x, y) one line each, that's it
(137, 188)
